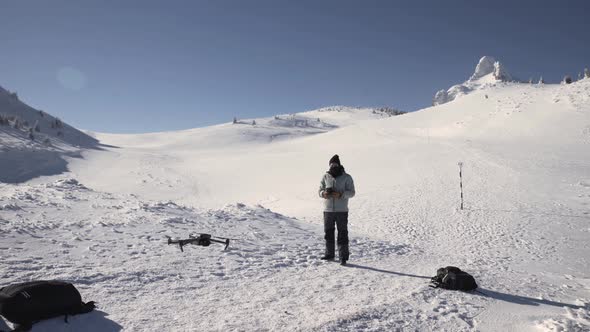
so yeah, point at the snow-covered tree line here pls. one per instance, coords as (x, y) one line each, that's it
(18, 123)
(12, 121)
(389, 111)
(235, 121)
(567, 79)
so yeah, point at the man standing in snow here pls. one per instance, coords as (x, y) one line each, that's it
(336, 188)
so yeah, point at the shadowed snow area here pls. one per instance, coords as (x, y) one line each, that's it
(523, 233)
(34, 143)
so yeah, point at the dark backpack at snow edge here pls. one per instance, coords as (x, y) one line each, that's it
(29, 302)
(451, 277)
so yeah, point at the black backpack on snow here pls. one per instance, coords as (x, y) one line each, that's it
(29, 302)
(451, 277)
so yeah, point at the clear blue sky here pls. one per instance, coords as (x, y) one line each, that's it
(141, 66)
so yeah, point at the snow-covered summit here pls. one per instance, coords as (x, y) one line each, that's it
(484, 67)
(488, 72)
(488, 65)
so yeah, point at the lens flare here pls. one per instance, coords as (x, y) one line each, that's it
(71, 78)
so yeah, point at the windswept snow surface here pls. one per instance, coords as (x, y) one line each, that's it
(523, 234)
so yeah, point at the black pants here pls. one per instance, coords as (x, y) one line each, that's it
(340, 219)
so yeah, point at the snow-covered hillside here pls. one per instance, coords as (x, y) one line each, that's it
(523, 233)
(245, 132)
(34, 143)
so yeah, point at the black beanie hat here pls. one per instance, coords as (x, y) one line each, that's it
(335, 159)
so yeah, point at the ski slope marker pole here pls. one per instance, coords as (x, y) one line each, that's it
(461, 181)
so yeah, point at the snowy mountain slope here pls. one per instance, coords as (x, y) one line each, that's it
(45, 126)
(34, 143)
(523, 233)
(525, 113)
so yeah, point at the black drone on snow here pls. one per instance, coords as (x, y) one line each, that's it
(200, 240)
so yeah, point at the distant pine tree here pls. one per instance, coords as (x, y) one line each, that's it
(541, 80)
(253, 122)
(235, 120)
(17, 124)
(587, 72)
(56, 123)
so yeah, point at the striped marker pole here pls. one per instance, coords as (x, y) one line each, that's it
(461, 181)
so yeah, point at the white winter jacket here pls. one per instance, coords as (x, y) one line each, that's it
(342, 184)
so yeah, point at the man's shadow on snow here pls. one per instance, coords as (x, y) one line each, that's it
(524, 300)
(95, 321)
(3, 326)
(385, 271)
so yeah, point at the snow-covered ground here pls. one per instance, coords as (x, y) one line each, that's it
(523, 234)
